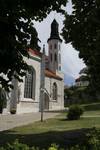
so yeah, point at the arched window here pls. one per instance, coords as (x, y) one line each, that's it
(29, 87)
(54, 91)
(59, 58)
(55, 46)
(59, 68)
(55, 57)
(51, 57)
(59, 46)
(50, 47)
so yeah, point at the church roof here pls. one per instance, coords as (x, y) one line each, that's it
(35, 52)
(48, 73)
(54, 31)
(52, 74)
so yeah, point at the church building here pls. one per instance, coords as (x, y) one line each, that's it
(43, 84)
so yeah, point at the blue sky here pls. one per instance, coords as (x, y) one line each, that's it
(71, 64)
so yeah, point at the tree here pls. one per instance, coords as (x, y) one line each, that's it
(82, 29)
(3, 99)
(84, 71)
(17, 33)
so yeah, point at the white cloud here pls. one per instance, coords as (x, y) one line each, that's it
(71, 64)
(69, 7)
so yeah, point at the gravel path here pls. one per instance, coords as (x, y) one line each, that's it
(10, 121)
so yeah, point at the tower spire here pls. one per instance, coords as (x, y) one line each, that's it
(54, 45)
(54, 31)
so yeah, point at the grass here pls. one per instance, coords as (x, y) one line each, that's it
(92, 113)
(57, 130)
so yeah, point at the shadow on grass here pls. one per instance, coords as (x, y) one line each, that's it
(44, 140)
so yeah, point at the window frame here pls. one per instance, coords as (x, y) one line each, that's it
(55, 91)
(30, 82)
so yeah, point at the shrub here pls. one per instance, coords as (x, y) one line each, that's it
(15, 146)
(13, 111)
(74, 112)
(91, 142)
(53, 147)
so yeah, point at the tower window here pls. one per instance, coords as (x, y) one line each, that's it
(59, 58)
(55, 57)
(29, 88)
(59, 46)
(51, 57)
(50, 47)
(55, 46)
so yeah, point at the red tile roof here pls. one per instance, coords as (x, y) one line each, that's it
(48, 72)
(52, 74)
(35, 52)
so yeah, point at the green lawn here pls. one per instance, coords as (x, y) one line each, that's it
(57, 130)
(92, 113)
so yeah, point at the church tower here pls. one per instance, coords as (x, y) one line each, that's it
(54, 46)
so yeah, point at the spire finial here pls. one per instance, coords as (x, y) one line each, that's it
(43, 48)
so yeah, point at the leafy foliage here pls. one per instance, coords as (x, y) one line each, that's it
(17, 33)
(13, 111)
(82, 29)
(77, 95)
(91, 142)
(74, 112)
(3, 99)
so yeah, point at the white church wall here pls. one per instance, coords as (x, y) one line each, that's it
(59, 103)
(26, 105)
(54, 65)
(14, 95)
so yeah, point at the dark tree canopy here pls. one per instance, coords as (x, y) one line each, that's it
(17, 33)
(82, 29)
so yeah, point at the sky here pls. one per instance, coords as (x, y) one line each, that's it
(71, 64)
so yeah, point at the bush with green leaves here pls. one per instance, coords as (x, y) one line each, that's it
(13, 111)
(74, 112)
(91, 142)
(15, 146)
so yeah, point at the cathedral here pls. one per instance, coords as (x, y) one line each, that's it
(43, 84)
